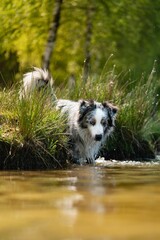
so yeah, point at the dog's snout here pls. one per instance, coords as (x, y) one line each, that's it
(98, 137)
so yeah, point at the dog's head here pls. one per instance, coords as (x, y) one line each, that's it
(98, 118)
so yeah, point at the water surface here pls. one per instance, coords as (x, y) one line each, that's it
(84, 203)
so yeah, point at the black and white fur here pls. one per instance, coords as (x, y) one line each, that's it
(90, 123)
(36, 80)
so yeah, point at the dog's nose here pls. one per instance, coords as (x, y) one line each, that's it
(98, 137)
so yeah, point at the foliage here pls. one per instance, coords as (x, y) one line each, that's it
(128, 30)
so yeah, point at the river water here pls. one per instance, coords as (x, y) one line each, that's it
(103, 202)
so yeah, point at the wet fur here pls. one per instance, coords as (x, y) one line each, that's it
(80, 116)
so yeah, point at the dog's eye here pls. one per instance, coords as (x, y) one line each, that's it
(92, 122)
(104, 122)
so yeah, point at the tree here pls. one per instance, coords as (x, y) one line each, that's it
(52, 34)
(88, 38)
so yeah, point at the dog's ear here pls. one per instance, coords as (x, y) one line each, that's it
(82, 103)
(112, 109)
(86, 105)
(83, 106)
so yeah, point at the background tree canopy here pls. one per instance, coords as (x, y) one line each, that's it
(128, 30)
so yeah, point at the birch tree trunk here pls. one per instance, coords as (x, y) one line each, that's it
(52, 34)
(88, 38)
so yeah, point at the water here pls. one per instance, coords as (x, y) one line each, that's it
(84, 203)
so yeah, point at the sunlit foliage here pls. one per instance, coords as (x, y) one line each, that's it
(129, 30)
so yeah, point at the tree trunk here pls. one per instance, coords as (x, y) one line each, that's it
(88, 37)
(52, 34)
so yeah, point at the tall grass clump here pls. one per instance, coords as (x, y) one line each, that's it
(33, 129)
(138, 121)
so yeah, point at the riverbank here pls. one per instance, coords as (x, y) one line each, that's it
(31, 156)
(33, 134)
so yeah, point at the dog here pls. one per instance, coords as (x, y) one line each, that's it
(36, 80)
(89, 125)
(89, 122)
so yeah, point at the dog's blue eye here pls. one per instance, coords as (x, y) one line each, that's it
(92, 122)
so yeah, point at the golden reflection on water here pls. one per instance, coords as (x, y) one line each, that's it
(85, 203)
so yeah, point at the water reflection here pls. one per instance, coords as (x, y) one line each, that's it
(94, 184)
(82, 203)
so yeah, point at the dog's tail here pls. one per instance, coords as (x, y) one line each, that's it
(44, 74)
(31, 81)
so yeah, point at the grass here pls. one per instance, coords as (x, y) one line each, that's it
(34, 125)
(32, 132)
(138, 120)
